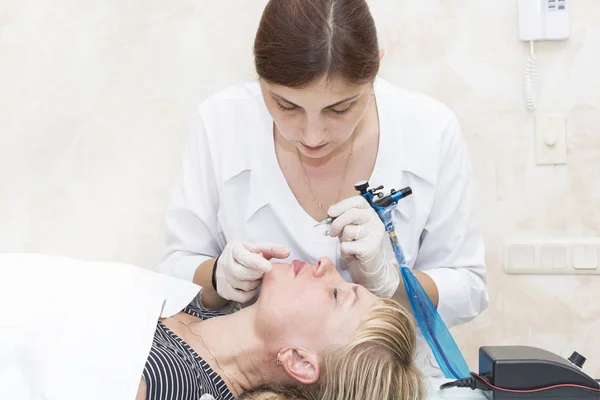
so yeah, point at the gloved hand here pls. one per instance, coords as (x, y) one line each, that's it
(241, 266)
(363, 237)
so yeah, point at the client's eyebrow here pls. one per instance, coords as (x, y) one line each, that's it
(355, 294)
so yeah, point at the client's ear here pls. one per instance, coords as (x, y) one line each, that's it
(301, 365)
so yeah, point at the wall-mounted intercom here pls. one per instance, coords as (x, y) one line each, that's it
(540, 20)
(543, 20)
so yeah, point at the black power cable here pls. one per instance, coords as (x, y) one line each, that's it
(481, 383)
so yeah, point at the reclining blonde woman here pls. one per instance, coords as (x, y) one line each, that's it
(72, 330)
(310, 335)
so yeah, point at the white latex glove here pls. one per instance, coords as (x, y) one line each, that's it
(241, 266)
(363, 237)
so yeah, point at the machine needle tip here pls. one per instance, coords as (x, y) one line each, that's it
(326, 221)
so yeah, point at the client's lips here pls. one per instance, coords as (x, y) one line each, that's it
(297, 265)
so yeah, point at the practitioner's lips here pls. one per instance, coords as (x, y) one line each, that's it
(313, 148)
(298, 265)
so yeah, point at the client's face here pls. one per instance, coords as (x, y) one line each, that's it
(311, 306)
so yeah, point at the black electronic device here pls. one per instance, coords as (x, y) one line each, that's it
(527, 373)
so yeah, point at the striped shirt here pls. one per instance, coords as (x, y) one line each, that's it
(174, 371)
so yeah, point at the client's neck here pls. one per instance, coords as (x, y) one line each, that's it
(239, 352)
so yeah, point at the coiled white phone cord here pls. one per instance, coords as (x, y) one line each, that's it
(531, 80)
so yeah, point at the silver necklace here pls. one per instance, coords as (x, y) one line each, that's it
(209, 350)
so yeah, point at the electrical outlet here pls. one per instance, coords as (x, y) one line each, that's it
(555, 256)
(551, 139)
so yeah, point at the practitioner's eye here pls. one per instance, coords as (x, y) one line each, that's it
(285, 108)
(343, 111)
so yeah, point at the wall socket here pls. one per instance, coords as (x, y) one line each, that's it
(555, 256)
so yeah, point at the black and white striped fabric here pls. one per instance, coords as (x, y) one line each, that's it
(174, 371)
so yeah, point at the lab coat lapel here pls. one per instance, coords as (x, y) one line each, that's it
(391, 164)
(409, 145)
(257, 193)
(263, 155)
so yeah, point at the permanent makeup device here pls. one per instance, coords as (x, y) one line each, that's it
(433, 328)
(376, 199)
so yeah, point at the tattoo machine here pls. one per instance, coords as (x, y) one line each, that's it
(435, 331)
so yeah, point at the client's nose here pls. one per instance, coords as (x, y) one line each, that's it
(323, 266)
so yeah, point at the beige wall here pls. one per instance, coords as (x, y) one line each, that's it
(95, 98)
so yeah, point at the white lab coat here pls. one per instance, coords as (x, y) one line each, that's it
(232, 188)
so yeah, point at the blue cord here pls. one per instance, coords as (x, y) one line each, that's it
(453, 365)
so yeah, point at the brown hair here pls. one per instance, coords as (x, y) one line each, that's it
(300, 41)
(376, 364)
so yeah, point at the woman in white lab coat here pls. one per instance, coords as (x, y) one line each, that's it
(268, 160)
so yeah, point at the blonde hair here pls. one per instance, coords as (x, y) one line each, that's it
(376, 364)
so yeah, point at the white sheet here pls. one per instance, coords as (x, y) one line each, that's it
(60, 340)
